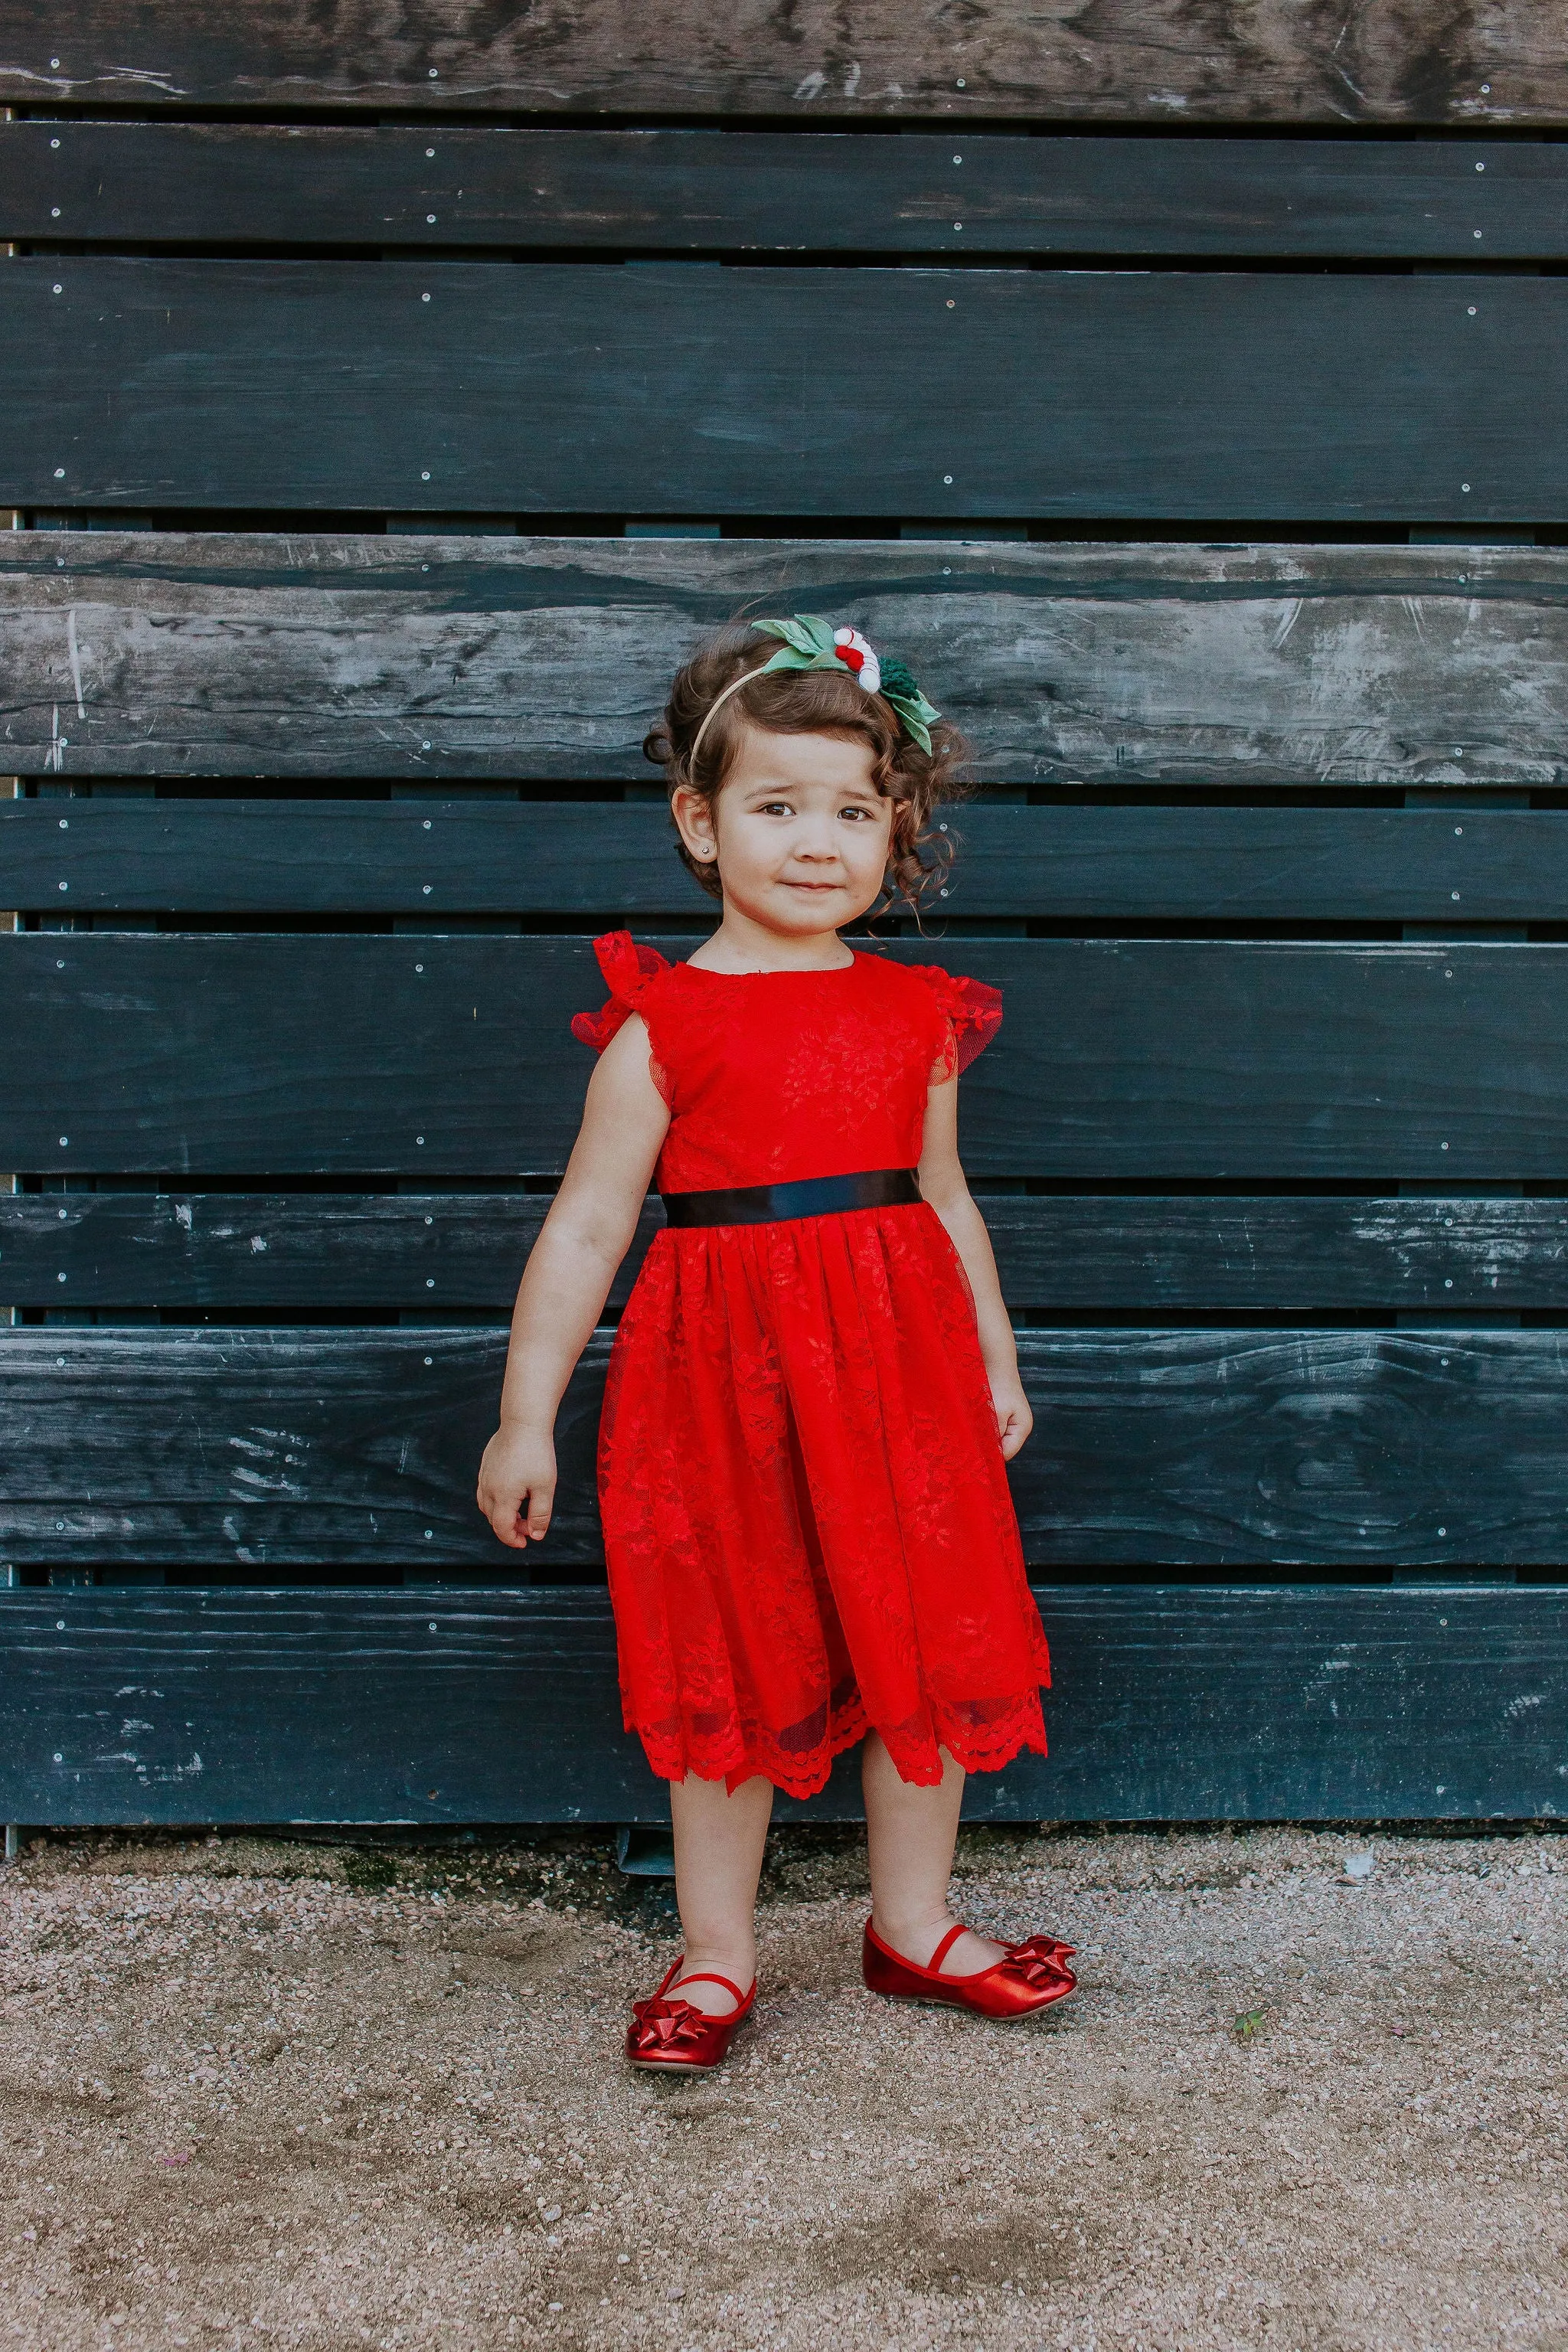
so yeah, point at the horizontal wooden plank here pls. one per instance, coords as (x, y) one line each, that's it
(134, 183)
(1212, 1448)
(1152, 61)
(671, 388)
(1106, 864)
(1350, 1702)
(1066, 1253)
(447, 1056)
(216, 654)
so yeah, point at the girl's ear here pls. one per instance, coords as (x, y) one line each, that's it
(693, 816)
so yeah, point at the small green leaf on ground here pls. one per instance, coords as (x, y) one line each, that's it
(1248, 2022)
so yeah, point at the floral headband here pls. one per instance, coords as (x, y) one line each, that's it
(813, 644)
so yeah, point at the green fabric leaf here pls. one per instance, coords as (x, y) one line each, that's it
(914, 718)
(807, 635)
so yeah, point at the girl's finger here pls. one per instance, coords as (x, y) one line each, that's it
(538, 1514)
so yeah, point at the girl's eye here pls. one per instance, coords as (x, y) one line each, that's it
(775, 808)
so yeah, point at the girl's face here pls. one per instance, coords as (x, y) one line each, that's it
(799, 832)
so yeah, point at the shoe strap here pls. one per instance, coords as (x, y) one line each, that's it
(708, 1976)
(935, 1964)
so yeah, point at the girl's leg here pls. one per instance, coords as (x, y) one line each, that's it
(719, 1841)
(911, 1834)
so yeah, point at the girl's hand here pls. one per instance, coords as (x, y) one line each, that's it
(1014, 1418)
(517, 1484)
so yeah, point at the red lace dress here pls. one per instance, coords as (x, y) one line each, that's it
(806, 1510)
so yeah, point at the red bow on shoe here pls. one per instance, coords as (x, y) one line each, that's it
(1040, 1962)
(670, 2028)
(676, 2034)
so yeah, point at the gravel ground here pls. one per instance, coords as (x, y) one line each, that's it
(257, 2092)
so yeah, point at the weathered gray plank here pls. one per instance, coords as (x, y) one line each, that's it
(1152, 61)
(447, 1056)
(443, 1253)
(545, 388)
(235, 655)
(134, 183)
(1168, 1703)
(1095, 863)
(1214, 1448)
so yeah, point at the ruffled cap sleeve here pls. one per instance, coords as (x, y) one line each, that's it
(972, 1010)
(630, 971)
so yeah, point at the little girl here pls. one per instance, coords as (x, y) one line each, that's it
(813, 1386)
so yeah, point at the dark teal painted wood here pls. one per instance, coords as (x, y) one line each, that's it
(668, 390)
(192, 1253)
(254, 1451)
(1355, 1701)
(1096, 864)
(447, 1056)
(136, 183)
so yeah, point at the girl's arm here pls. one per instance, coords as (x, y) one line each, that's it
(943, 1184)
(568, 1280)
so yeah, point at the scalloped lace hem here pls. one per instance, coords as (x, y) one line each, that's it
(981, 1737)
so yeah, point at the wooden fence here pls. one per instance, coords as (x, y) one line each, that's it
(388, 401)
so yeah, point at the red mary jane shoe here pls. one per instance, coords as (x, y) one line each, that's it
(1028, 1977)
(677, 2038)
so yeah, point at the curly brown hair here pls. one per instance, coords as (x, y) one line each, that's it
(807, 702)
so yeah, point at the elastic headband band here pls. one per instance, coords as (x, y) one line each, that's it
(722, 697)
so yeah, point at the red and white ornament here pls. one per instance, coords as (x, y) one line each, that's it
(856, 655)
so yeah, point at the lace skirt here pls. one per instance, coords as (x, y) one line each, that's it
(806, 1514)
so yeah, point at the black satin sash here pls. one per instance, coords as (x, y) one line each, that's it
(815, 1196)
